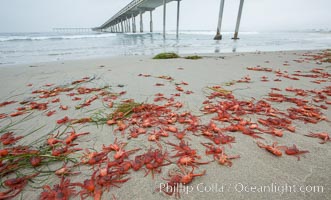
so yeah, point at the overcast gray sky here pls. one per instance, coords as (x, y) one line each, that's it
(43, 15)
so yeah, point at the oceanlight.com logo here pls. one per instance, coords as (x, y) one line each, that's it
(239, 188)
(275, 188)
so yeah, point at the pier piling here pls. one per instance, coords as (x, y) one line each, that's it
(125, 26)
(219, 25)
(151, 21)
(129, 25)
(133, 24)
(235, 37)
(122, 26)
(177, 27)
(164, 18)
(141, 22)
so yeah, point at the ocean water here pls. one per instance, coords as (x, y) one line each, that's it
(23, 48)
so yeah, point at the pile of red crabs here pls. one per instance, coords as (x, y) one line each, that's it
(164, 125)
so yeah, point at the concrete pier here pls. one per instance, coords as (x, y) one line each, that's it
(219, 25)
(138, 7)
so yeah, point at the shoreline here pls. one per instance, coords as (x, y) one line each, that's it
(143, 78)
(107, 58)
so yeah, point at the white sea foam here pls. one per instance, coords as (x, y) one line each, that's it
(55, 37)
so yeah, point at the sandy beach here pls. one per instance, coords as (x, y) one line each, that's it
(249, 77)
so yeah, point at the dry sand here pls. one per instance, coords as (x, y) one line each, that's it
(256, 167)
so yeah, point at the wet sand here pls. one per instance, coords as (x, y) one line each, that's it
(257, 174)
